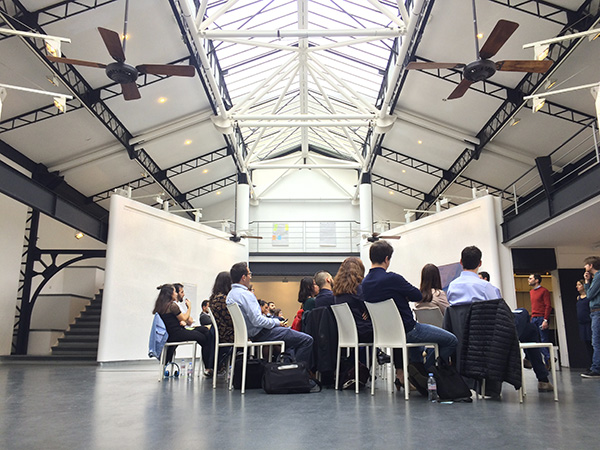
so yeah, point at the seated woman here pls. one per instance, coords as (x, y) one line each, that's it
(175, 321)
(221, 314)
(307, 292)
(431, 290)
(347, 289)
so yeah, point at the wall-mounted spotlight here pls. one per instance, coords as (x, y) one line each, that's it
(60, 103)
(53, 47)
(538, 103)
(79, 235)
(515, 121)
(551, 83)
(541, 51)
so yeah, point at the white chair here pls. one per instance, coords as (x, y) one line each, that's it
(550, 347)
(163, 357)
(217, 346)
(388, 332)
(240, 340)
(431, 316)
(347, 338)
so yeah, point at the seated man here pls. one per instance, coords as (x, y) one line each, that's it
(380, 285)
(325, 283)
(261, 328)
(468, 286)
(204, 316)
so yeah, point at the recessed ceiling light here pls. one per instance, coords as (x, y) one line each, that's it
(391, 192)
(162, 100)
(205, 171)
(419, 141)
(218, 192)
(479, 35)
(187, 142)
(403, 170)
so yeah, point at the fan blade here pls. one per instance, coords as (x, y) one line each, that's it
(251, 237)
(130, 91)
(76, 62)
(460, 90)
(113, 44)
(498, 37)
(163, 69)
(433, 65)
(389, 237)
(524, 66)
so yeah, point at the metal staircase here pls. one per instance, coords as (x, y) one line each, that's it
(80, 341)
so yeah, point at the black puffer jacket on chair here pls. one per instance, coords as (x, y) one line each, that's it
(490, 344)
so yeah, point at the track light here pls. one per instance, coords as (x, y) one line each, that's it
(541, 51)
(515, 121)
(551, 83)
(538, 103)
(61, 103)
(53, 47)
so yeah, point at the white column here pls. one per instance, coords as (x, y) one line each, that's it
(242, 204)
(366, 204)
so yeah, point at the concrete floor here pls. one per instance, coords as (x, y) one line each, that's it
(123, 406)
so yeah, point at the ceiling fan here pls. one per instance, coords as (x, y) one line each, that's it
(123, 73)
(374, 237)
(238, 237)
(483, 67)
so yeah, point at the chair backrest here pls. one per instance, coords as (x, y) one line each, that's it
(214, 326)
(431, 316)
(347, 333)
(240, 332)
(388, 328)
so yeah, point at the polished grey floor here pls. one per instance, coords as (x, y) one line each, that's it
(123, 406)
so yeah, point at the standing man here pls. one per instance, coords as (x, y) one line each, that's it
(380, 285)
(592, 290)
(261, 328)
(325, 283)
(541, 307)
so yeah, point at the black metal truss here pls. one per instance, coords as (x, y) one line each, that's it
(170, 172)
(59, 11)
(503, 93)
(73, 80)
(105, 93)
(398, 187)
(211, 187)
(541, 9)
(530, 82)
(438, 172)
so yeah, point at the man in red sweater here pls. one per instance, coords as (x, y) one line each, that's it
(541, 306)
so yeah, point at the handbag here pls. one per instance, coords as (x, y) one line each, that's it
(450, 384)
(287, 376)
(254, 372)
(347, 374)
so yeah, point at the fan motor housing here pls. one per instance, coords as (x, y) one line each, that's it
(121, 72)
(479, 70)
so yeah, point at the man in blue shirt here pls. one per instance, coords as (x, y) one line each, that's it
(380, 285)
(468, 287)
(262, 328)
(592, 290)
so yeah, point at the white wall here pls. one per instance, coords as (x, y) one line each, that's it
(440, 238)
(12, 224)
(146, 248)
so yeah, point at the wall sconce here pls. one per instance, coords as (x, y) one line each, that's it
(538, 103)
(79, 235)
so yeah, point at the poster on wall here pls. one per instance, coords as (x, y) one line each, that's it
(281, 235)
(327, 234)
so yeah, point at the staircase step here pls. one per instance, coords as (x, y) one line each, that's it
(80, 354)
(71, 347)
(88, 319)
(79, 338)
(83, 332)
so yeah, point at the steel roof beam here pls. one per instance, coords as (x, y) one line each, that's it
(398, 187)
(211, 187)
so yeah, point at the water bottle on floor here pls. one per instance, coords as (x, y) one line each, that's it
(432, 395)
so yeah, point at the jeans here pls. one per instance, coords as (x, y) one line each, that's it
(528, 332)
(544, 336)
(297, 343)
(596, 341)
(422, 332)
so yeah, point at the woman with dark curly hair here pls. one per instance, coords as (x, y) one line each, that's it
(175, 322)
(306, 294)
(347, 289)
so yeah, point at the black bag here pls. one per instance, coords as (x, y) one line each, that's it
(254, 372)
(347, 374)
(450, 384)
(287, 376)
(417, 376)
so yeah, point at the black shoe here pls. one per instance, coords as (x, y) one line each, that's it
(383, 358)
(591, 374)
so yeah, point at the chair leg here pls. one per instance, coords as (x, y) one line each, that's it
(232, 368)
(553, 369)
(244, 366)
(373, 371)
(216, 358)
(161, 369)
(356, 369)
(405, 368)
(337, 368)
